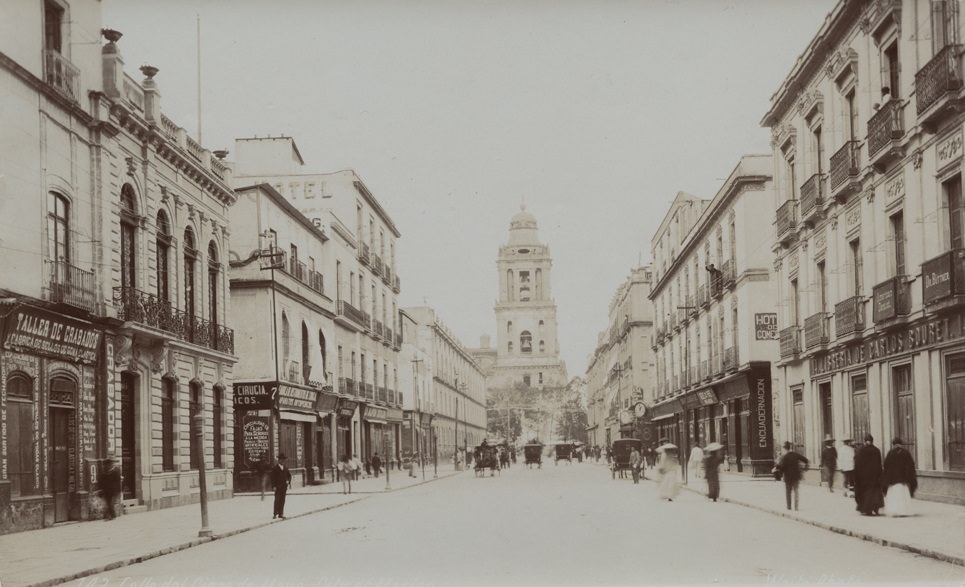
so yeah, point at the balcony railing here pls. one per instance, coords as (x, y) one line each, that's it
(369, 391)
(137, 306)
(364, 253)
(705, 369)
(943, 277)
(388, 338)
(387, 274)
(72, 285)
(728, 272)
(844, 164)
(716, 365)
(939, 77)
(396, 284)
(884, 127)
(812, 197)
(377, 328)
(816, 330)
(62, 75)
(377, 265)
(786, 220)
(790, 342)
(703, 295)
(731, 360)
(352, 313)
(849, 316)
(892, 298)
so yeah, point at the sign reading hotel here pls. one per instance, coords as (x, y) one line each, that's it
(765, 326)
(52, 335)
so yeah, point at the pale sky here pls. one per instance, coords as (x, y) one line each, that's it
(594, 112)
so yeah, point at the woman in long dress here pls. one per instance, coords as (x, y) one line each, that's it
(899, 479)
(668, 468)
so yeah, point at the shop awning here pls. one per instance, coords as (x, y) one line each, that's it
(664, 417)
(296, 416)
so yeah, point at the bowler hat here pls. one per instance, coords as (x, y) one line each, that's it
(281, 456)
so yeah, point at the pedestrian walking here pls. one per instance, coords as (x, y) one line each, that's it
(356, 467)
(668, 469)
(712, 462)
(791, 468)
(867, 478)
(829, 462)
(376, 464)
(696, 462)
(281, 480)
(346, 472)
(846, 464)
(899, 479)
(109, 482)
(635, 465)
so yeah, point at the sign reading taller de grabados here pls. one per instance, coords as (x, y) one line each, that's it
(759, 404)
(254, 396)
(46, 333)
(297, 398)
(765, 326)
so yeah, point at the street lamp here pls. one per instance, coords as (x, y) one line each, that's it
(685, 437)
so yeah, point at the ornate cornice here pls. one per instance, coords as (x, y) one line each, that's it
(811, 102)
(783, 133)
(878, 16)
(841, 64)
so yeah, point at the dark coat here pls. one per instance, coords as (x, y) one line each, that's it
(791, 465)
(829, 458)
(867, 479)
(281, 477)
(899, 468)
(109, 481)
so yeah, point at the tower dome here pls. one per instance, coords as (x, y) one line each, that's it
(522, 228)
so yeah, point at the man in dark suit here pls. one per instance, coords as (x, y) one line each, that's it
(792, 466)
(281, 480)
(110, 485)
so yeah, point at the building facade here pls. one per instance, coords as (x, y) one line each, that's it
(621, 375)
(715, 337)
(867, 139)
(364, 286)
(455, 395)
(285, 335)
(114, 290)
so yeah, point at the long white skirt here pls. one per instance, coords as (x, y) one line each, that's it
(898, 500)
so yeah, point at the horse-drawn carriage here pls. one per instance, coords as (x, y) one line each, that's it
(485, 456)
(564, 452)
(534, 455)
(621, 450)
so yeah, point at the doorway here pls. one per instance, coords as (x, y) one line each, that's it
(61, 422)
(128, 454)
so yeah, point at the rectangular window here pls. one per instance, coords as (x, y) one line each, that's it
(795, 303)
(952, 196)
(851, 108)
(901, 387)
(898, 242)
(827, 415)
(799, 420)
(822, 287)
(53, 21)
(818, 149)
(194, 408)
(955, 412)
(217, 417)
(944, 23)
(169, 390)
(857, 267)
(859, 407)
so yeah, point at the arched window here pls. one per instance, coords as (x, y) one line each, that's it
(21, 439)
(164, 242)
(214, 269)
(525, 342)
(306, 360)
(321, 346)
(128, 236)
(58, 233)
(285, 339)
(190, 260)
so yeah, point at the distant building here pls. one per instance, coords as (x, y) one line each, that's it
(621, 376)
(361, 282)
(527, 353)
(715, 300)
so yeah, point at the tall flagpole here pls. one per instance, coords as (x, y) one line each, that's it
(200, 138)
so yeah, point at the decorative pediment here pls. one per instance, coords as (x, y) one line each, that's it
(783, 134)
(843, 66)
(811, 104)
(879, 17)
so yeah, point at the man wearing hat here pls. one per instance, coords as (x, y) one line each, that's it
(281, 480)
(829, 462)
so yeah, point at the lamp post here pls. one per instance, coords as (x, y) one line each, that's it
(685, 440)
(198, 424)
(273, 256)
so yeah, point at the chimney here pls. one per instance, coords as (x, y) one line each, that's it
(112, 64)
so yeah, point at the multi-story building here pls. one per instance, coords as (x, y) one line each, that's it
(364, 284)
(456, 393)
(621, 377)
(415, 384)
(867, 136)
(285, 336)
(527, 353)
(114, 236)
(714, 298)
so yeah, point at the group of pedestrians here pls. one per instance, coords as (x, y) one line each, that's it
(876, 485)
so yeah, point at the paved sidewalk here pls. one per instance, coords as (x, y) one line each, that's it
(71, 551)
(936, 530)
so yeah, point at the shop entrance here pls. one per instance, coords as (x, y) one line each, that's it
(60, 449)
(128, 435)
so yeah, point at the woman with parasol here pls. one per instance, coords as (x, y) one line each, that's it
(668, 467)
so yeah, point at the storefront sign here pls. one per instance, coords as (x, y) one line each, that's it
(937, 275)
(254, 396)
(46, 333)
(346, 408)
(707, 396)
(765, 326)
(255, 439)
(375, 413)
(759, 405)
(298, 399)
(887, 344)
(327, 403)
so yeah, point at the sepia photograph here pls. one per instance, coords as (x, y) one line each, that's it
(495, 293)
